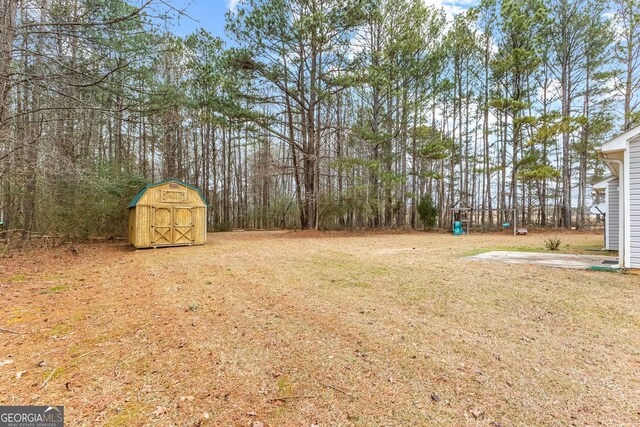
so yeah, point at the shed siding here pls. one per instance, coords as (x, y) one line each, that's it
(143, 226)
(634, 204)
(132, 226)
(614, 213)
(200, 226)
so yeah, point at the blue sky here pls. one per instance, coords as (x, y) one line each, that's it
(209, 14)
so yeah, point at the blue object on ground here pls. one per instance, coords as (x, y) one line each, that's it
(457, 228)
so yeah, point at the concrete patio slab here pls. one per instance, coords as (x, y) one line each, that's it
(578, 262)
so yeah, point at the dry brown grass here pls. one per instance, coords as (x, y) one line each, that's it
(344, 328)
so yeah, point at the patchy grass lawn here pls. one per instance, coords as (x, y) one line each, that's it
(337, 329)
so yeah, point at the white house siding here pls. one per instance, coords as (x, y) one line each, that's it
(613, 214)
(634, 204)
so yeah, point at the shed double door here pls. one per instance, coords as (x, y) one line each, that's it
(172, 225)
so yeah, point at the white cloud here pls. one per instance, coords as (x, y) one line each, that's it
(232, 4)
(451, 7)
(553, 90)
(618, 26)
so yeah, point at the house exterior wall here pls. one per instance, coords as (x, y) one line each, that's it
(634, 204)
(613, 214)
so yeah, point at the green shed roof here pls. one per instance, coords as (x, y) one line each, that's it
(136, 199)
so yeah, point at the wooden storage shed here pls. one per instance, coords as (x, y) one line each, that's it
(169, 213)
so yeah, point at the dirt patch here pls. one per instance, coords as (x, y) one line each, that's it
(337, 329)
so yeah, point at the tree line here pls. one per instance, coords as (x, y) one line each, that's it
(313, 114)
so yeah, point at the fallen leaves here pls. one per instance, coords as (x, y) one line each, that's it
(160, 410)
(477, 413)
(49, 377)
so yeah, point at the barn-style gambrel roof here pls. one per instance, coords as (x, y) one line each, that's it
(144, 189)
